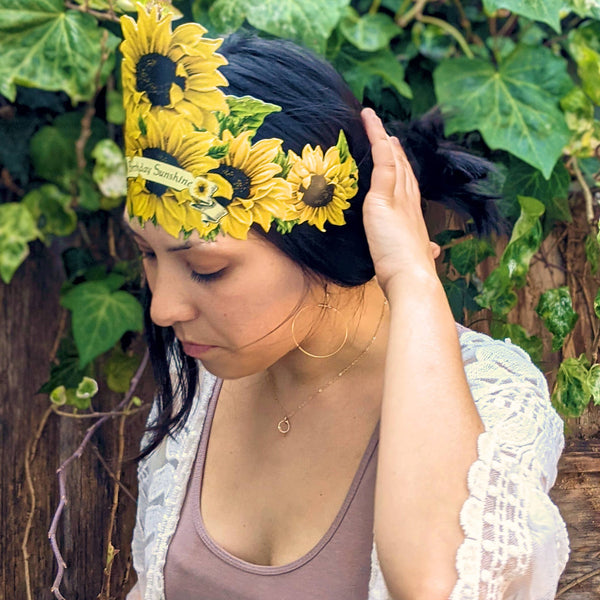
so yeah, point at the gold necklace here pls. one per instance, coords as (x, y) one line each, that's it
(284, 424)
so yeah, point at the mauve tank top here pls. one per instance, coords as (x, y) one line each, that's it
(338, 567)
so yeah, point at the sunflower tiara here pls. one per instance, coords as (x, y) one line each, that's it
(191, 160)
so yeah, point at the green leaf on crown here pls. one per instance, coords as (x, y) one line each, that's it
(571, 393)
(245, 114)
(342, 146)
(555, 307)
(309, 22)
(498, 289)
(51, 208)
(47, 47)
(370, 32)
(218, 152)
(283, 160)
(17, 228)
(546, 11)
(514, 106)
(100, 316)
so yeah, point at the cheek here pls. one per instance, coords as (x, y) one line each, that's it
(259, 310)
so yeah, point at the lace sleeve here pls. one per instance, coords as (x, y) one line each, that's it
(515, 543)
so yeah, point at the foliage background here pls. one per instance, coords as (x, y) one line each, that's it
(519, 83)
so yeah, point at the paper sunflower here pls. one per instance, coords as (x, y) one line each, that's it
(171, 71)
(258, 193)
(321, 185)
(174, 150)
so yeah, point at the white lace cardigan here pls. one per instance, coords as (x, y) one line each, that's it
(515, 544)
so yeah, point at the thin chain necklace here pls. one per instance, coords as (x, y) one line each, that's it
(284, 425)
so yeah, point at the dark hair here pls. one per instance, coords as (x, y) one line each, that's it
(315, 105)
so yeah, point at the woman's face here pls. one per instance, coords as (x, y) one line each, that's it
(229, 301)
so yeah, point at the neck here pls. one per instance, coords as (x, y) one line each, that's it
(359, 312)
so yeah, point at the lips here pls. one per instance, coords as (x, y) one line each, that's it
(196, 350)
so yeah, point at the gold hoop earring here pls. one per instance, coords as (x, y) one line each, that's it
(326, 306)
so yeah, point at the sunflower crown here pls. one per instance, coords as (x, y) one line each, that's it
(191, 160)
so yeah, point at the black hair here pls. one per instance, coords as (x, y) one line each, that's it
(315, 105)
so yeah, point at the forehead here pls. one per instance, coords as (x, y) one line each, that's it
(155, 236)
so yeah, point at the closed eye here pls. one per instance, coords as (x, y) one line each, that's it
(205, 277)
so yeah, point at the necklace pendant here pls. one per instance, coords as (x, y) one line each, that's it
(284, 426)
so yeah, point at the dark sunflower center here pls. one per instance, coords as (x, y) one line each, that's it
(239, 181)
(319, 192)
(154, 75)
(158, 189)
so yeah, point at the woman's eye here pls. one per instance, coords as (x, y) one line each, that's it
(204, 277)
(147, 254)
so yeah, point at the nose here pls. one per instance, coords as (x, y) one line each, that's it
(170, 301)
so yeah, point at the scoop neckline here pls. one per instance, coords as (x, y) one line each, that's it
(197, 479)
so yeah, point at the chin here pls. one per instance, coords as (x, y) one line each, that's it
(224, 371)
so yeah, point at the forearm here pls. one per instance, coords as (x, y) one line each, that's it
(429, 430)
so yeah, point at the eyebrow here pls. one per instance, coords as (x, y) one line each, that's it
(184, 246)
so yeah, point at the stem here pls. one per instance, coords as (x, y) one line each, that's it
(101, 16)
(585, 188)
(464, 20)
(374, 7)
(55, 589)
(30, 452)
(401, 10)
(451, 30)
(413, 13)
(508, 25)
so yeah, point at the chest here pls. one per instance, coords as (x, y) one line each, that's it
(270, 499)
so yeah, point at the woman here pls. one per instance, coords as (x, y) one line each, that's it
(322, 429)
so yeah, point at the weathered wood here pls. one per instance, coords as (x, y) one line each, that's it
(29, 317)
(577, 494)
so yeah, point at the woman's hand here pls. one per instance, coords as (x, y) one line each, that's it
(394, 224)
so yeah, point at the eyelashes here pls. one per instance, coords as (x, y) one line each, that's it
(206, 277)
(195, 275)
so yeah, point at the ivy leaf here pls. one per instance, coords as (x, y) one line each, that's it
(245, 114)
(592, 253)
(51, 208)
(119, 370)
(309, 22)
(432, 41)
(524, 180)
(556, 309)
(100, 317)
(584, 45)
(571, 392)
(110, 172)
(17, 228)
(361, 70)
(584, 8)
(66, 372)
(594, 383)
(460, 297)
(46, 47)
(52, 148)
(585, 129)
(546, 11)
(597, 304)
(515, 106)
(468, 254)
(533, 345)
(371, 32)
(498, 289)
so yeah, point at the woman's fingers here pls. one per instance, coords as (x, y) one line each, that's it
(383, 179)
(407, 188)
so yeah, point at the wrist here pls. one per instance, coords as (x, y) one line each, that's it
(416, 284)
